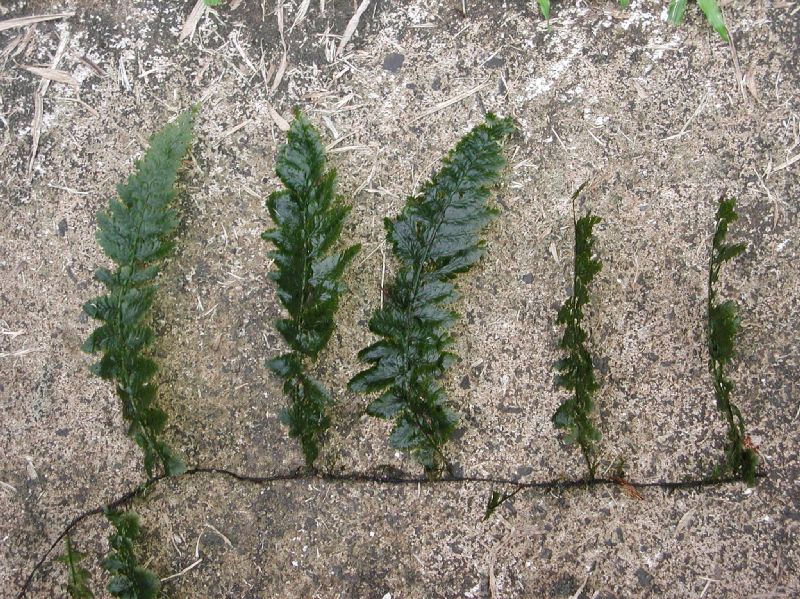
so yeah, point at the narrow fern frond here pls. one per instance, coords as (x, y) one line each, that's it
(741, 459)
(135, 233)
(129, 580)
(576, 372)
(309, 217)
(436, 236)
(78, 577)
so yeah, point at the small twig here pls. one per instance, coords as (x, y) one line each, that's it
(787, 164)
(688, 122)
(184, 571)
(454, 100)
(25, 21)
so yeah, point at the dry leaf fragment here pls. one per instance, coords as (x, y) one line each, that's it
(352, 26)
(53, 75)
(628, 488)
(301, 13)
(192, 20)
(25, 21)
(282, 124)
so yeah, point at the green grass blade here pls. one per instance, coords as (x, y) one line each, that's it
(677, 10)
(544, 6)
(714, 16)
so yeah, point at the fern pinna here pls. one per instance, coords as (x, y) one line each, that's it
(308, 217)
(135, 233)
(435, 237)
(576, 372)
(129, 580)
(741, 458)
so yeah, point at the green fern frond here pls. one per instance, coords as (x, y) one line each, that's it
(78, 576)
(129, 580)
(135, 233)
(436, 236)
(723, 325)
(576, 372)
(309, 218)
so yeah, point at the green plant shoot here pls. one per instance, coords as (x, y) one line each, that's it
(544, 7)
(78, 577)
(135, 233)
(741, 458)
(309, 217)
(710, 8)
(435, 237)
(576, 372)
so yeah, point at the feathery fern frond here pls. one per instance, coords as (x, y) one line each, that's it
(135, 233)
(78, 576)
(436, 236)
(129, 580)
(723, 325)
(308, 217)
(576, 369)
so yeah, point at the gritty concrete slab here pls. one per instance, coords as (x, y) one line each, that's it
(662, 121)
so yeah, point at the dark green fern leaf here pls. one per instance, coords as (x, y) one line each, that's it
(741, 459)
(436, 236)
(135, 233)
(129, 580)
(309, 218)
(576, 372)
(78, 576)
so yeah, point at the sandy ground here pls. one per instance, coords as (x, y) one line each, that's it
(662, 120)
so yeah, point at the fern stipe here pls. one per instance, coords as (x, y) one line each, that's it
(309, 217)
(741, 459)
(135, 233)
(78, 577)
(576, 372)
(435, 237)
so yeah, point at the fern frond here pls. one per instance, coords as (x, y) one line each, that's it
(308, 217)
(129, 580)
(576, 372)
(436, 236)
(135, 233)
(78, 576)
(723, 324)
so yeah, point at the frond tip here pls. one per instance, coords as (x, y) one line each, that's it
(136, 234)
(309, 218)
(435, 237)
